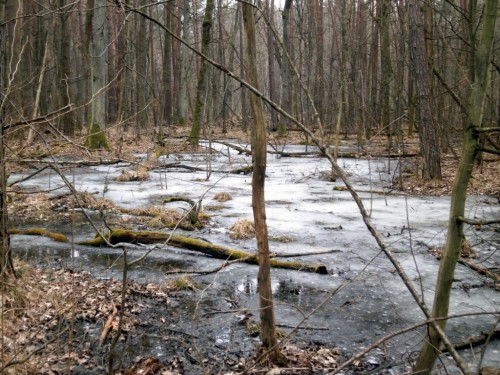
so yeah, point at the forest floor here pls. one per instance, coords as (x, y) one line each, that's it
(41, 300)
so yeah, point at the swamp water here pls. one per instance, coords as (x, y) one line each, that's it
(305, 214)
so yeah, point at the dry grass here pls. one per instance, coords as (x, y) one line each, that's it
(242, 230)
(182, 283)
(160, 217)
(222, 197)
(40, 206)
(138, 174)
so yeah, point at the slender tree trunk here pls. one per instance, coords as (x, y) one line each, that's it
(428, 132)
(386, 71)
(6, 265)
(244, 92)
(456, 236)
(141, 67)
(66, 122)
(185, 53)
(286, 70)
(259, 152)
(82, 66)
(99, 40)
(167, 67)
(374, 76)
(273, 95)
(194, 136)
(319, 89)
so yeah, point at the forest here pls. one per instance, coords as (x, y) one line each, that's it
(250, 187)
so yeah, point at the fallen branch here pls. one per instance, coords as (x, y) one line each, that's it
(76, 163)
(242, 170)
(183, 166)
(478, 223)
(220, 252)
(240, 150)
(193, 211)
(293, 255)
(473, 340)
(383, 192)
(108, 325)
(482, 270)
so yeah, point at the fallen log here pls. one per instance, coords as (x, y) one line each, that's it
(220, 252)
(59, 237)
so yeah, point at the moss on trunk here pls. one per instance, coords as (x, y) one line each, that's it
(97, 138)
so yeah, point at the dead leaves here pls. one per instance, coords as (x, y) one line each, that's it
(45, 302)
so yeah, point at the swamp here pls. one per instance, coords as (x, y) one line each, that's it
(193, 313)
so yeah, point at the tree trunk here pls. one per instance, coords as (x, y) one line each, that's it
(259, 154)
(141, 67)
(184, 79)
(66, 122)
(286, 69)
(427, 129)
(273, 95)
(456, 235)
(167, 67)
(245, 118)
(374, 75)
(99, 39)
(319, 88)
(6, 266)
(194, 136)
(386, 72)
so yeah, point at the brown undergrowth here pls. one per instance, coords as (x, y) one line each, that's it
(47, 312)
(43, 306)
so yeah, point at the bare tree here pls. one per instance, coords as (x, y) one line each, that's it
(99, 39)
(6, 265)
(259, 153)
(194, 136)
(456, 237)
(428, 133)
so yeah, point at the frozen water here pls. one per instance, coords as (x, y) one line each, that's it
(303, 207)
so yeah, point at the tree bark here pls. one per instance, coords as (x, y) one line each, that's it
(386, 72)
(194, 136)
(286, 69)
(98, 38)
(456, 236)
(141, 84)
(427, 129)
(167, 67)
(273, 95)
(259, 144)
(66, 122)
(6, 265)
(183, 93)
